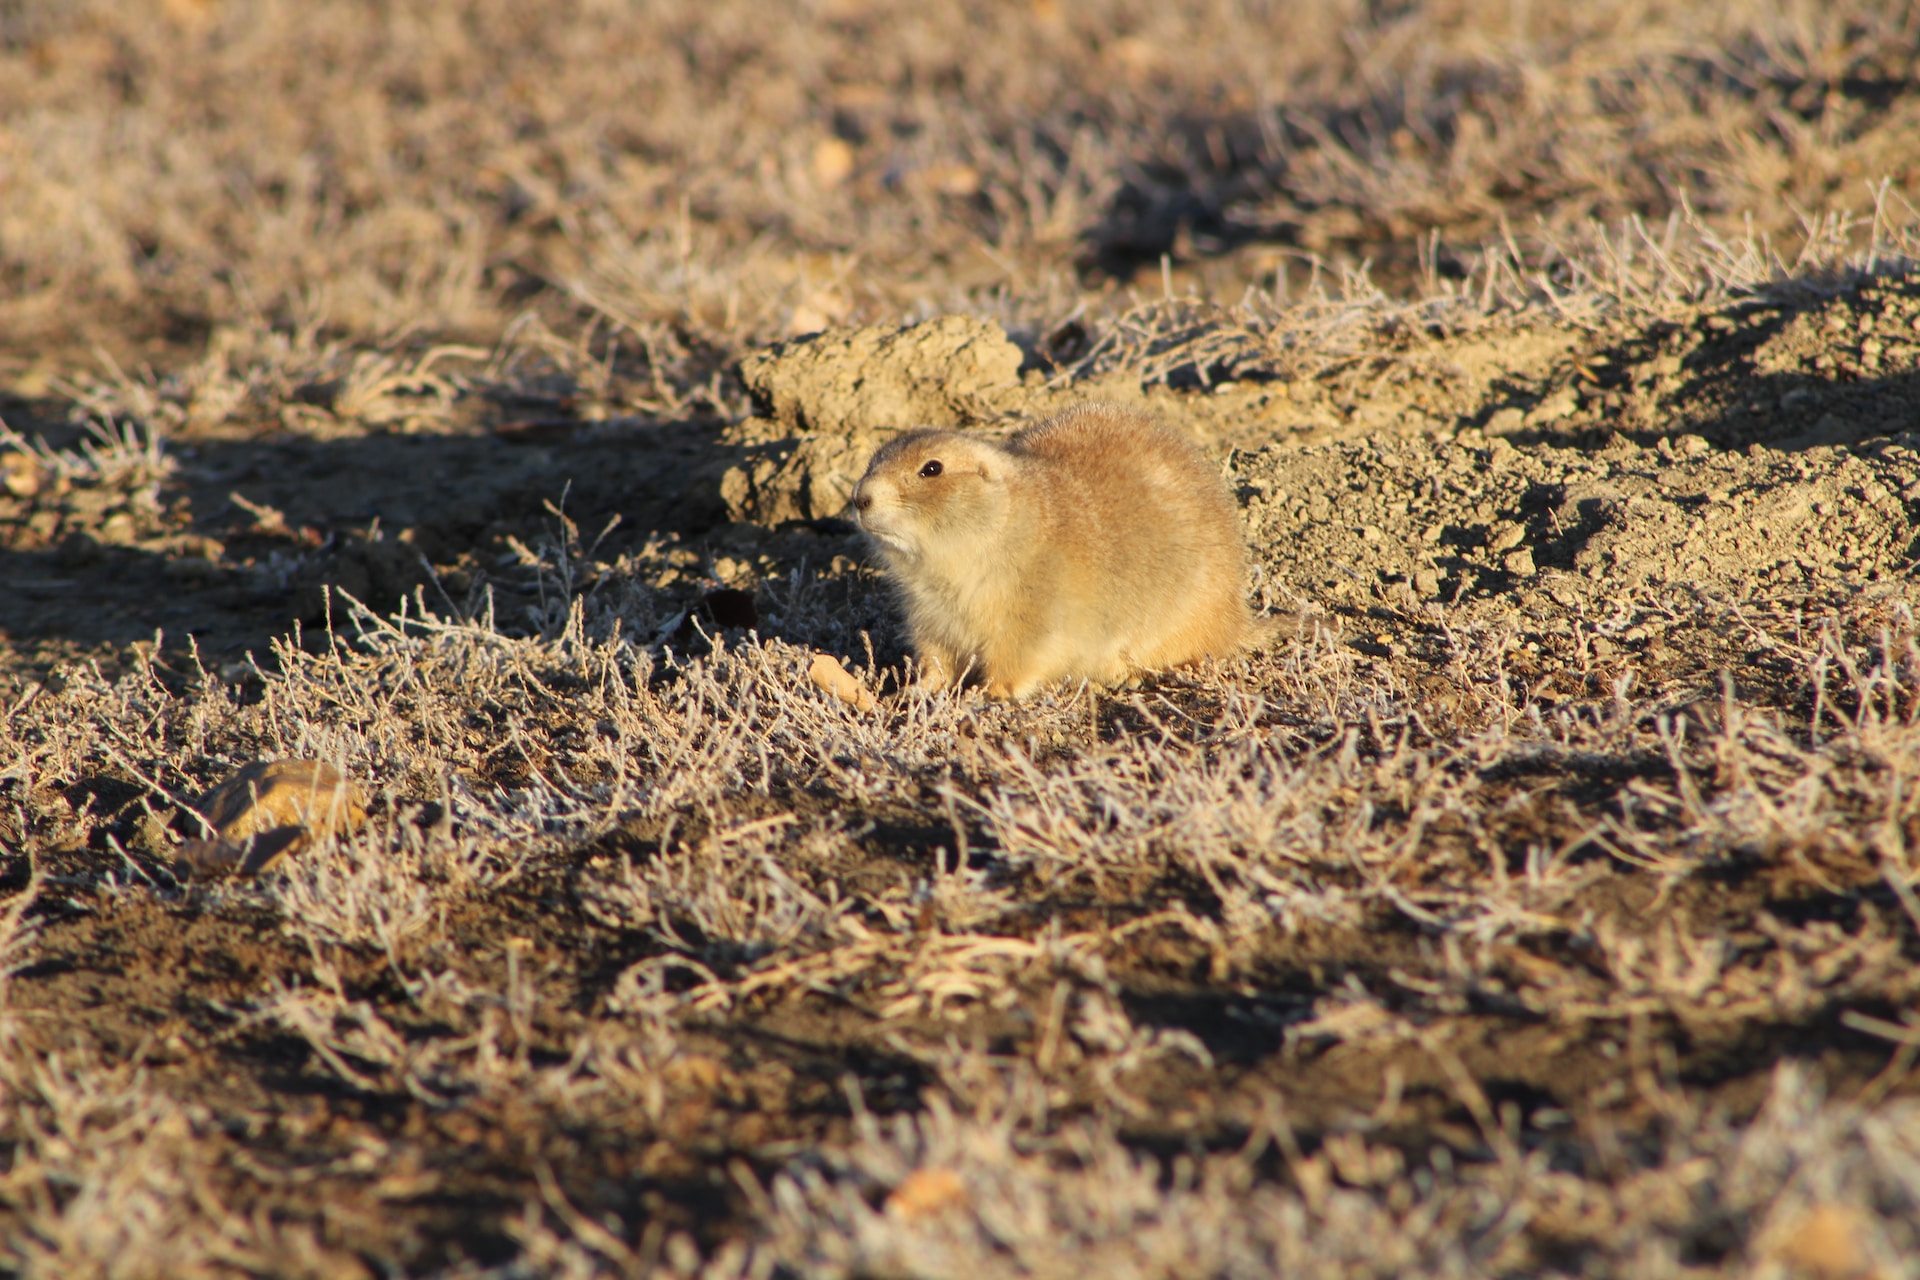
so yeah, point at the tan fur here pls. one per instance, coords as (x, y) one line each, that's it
(1095, 545)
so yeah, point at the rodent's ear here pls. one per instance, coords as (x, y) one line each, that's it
(991, 465)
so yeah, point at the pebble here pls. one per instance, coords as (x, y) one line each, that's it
(19, 474)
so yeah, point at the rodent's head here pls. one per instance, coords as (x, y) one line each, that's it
(928, 488)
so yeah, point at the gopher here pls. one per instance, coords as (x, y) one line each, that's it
(1096, 545)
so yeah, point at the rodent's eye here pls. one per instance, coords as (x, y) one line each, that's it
(932, 469)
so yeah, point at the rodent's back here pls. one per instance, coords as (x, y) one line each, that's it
(1147, 534)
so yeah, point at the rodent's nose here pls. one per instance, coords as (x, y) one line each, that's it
(862, 500)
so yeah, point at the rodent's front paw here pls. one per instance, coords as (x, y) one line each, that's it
(934, 670)
(932, 679)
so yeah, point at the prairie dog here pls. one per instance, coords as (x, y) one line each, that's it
(1095, 545)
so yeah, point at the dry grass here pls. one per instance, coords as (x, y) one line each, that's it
(218, 162)
(1131, 871)
(1504, 920)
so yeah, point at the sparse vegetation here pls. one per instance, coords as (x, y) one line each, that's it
(1543, 903)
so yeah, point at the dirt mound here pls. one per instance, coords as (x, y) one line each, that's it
(1454, 519)
(824, 403)
(1792, 372)
(941, 373)
(1827, 370)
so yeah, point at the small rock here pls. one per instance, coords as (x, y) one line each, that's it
(120, 529)
(1561, 404)
(270, 810)
(1505, 536)
(924, 1192)
(20, 474)
(1519, 563)
(815, 315)
(957, 180)
(833, 161)
(1506, 421)
(1826, 1243)
(1426, 582)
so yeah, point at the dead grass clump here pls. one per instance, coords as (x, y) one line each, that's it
(1013, 1202)
(770, 176)
(111, 1177)
(591, 866)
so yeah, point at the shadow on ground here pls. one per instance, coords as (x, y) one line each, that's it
(241, 540)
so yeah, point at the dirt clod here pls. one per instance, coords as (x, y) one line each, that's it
(926, 1192)
(1825, 1244)
(826, 402)
(20, 474)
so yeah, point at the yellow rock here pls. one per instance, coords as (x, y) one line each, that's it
(833, 162)
(19, 474)
(924, 1192)
(270, 810)
(1825, 1243)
